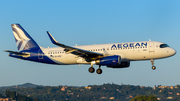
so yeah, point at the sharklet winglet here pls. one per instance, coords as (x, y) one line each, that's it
(52, 38)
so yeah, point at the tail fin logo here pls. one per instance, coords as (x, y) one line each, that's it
(21, 38)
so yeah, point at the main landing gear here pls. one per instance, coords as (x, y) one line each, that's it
(98, 71)
(152, 62)
(91, 69)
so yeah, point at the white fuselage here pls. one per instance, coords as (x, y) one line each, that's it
(115, 55)
(129, 51)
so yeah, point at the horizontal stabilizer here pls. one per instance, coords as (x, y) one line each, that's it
(18, 53)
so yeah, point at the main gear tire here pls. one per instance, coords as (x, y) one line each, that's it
(91, 70)
(98, 71)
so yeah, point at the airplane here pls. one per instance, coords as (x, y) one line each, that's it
(114, 55)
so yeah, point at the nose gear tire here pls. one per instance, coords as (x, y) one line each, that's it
(153, 67)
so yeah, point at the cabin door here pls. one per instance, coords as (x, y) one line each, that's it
(151, 46)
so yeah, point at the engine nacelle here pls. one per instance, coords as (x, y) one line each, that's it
(109, 61)
(122, 65)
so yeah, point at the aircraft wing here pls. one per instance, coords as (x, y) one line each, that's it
(76, 51)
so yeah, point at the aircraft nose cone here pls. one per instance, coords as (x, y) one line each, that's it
(173, 52)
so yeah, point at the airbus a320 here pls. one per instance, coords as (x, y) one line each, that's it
(114, 55)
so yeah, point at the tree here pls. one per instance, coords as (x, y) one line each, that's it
(1, 95)
(11, 94)
(144, 98)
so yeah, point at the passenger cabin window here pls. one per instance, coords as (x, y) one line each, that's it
(163, 46)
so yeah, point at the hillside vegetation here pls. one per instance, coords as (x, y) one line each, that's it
(96, 92)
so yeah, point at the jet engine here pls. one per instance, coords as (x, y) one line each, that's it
(109, 61)
(122, 65)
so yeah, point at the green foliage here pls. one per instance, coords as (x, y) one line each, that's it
(1, 95)
(144, 98)
(12, 94)
(93, 93)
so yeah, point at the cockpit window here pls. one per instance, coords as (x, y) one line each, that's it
(164, 45)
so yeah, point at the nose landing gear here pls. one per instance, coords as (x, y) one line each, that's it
(152, 62)
(153, 67)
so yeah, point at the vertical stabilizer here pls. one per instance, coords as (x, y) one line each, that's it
(22, 38)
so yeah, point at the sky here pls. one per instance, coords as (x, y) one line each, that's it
(85, 22)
